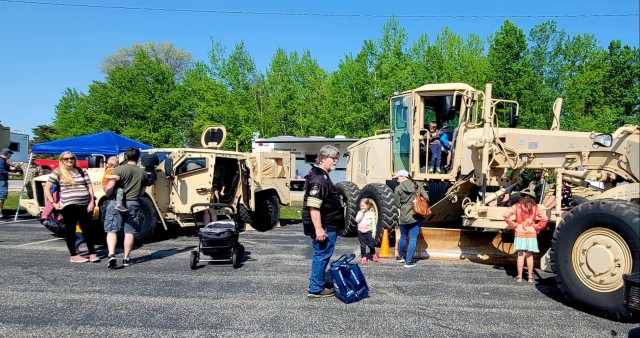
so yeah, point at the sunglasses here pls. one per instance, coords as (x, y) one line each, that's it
(69, 159)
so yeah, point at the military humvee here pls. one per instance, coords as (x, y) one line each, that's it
(255, 185)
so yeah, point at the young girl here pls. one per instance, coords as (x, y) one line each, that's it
(112, 163)
(528, 221)
(366, 218)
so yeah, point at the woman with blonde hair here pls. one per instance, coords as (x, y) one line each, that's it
(75, 202)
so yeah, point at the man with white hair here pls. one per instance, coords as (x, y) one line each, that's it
(322, 217)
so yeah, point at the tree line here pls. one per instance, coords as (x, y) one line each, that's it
(156, 94)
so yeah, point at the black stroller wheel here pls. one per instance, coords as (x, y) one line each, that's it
(235, 259)
(194, 260)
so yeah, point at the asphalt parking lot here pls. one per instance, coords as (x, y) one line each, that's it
(160, 296)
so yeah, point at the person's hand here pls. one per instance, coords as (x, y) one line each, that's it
(90, 207)
(57, 206)
(321, 235)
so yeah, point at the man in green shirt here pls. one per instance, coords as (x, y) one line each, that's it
(131, 178)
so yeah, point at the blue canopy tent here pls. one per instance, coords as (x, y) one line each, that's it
(106, 143)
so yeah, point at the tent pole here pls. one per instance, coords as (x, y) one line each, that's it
(25, 175)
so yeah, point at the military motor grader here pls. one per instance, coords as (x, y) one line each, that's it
(255, 184)
(588, 245)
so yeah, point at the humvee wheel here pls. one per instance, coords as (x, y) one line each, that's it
(349, 192)
(593, 246)
(267, 213)
(148, 222)
(383, 204)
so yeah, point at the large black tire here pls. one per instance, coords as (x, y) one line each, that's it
(384, 204)
(243, 216)
(349, 192)
(149, 220)
(267, 213)
(592, 247)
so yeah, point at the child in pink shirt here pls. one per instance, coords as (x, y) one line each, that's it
(528, 221)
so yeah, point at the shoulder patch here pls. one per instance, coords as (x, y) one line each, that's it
(314, 191)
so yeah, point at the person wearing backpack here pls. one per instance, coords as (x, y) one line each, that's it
(75, 203)
(409, 224)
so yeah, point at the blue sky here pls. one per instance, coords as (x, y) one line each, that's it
(46, 49)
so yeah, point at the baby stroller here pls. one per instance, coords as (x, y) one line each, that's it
(219, 239)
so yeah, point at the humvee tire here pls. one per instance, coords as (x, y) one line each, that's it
(148, 222)
(349, 192)
(598, 237)
(267, 213)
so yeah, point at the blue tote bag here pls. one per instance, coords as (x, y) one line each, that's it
(349, 284)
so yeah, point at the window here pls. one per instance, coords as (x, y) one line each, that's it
(192, 164)
(14, 146)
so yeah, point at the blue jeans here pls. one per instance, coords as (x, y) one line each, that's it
(413, 230)
(322, 252)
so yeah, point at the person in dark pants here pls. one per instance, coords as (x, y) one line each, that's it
(322, 217)
(5, 155)
(75, 202)
(409, 223)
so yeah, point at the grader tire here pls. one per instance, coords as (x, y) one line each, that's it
(349, 192)
(592, 247)
(384, 205)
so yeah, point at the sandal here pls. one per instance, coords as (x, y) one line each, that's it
(530, 280)
(518, 279)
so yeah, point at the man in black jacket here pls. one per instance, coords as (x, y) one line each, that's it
(322, 217)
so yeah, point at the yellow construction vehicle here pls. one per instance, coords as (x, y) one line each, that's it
(591, 240)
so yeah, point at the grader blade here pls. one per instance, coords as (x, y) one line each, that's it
(490, 247)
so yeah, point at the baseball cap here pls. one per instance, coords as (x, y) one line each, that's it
(400, 173)
(445, 125)
(6, 151)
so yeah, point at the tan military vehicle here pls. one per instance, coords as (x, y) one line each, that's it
(588, 245)
(255, 184)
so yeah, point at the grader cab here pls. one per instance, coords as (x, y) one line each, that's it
(254, 184)
(590, 242)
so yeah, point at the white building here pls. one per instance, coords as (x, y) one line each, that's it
(306, 150)
(19, 144)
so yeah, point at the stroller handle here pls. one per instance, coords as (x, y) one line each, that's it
(214, 205)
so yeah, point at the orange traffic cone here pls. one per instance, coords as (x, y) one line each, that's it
(384, 246)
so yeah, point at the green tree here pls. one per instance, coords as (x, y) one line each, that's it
(514, 78)
(142, 101)
(176, 59)
(43, 133)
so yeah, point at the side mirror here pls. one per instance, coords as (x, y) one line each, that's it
(604, 140)
(168, 167)
(513, 117)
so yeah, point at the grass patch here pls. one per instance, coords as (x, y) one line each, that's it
(293, 212)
